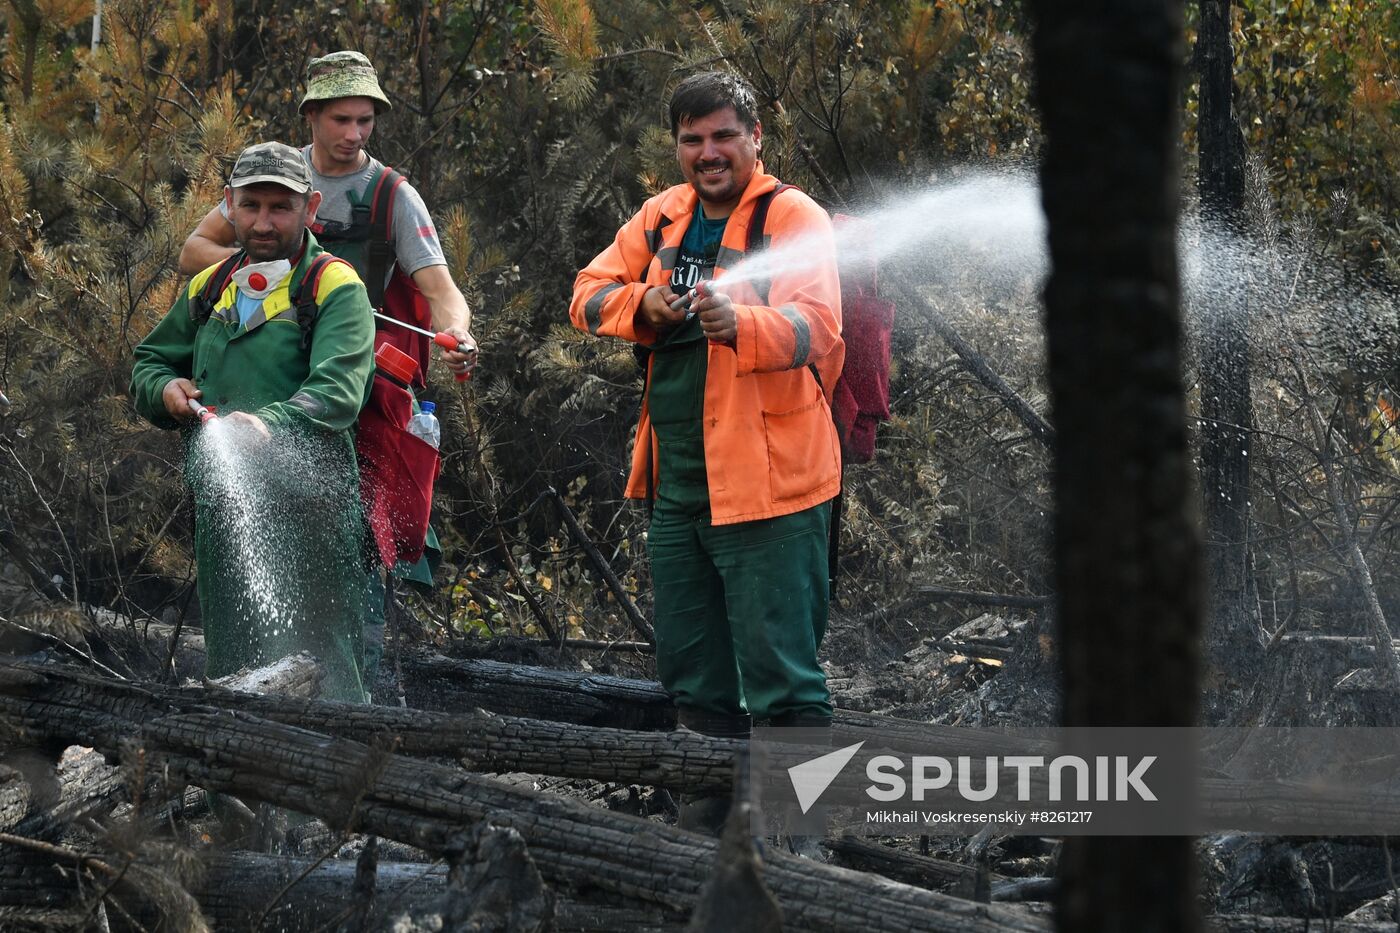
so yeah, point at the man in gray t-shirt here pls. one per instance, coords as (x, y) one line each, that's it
(343, 98)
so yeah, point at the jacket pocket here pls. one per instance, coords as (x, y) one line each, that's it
(801, 455)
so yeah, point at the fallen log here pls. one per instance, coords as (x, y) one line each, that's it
(678, 759)
(297, 675)
(85, 783)
(685, 761)
(147, 646)
(449, 685)
(432, 682)
(936, 874)
(1248, 923)
(238, 888)
(352, 785)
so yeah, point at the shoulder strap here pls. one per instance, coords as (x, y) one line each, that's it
(380, 248)
(203, 304)
(753, 243)
(759, 218)
(304, 298)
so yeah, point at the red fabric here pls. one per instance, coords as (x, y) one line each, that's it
(397, 472)
(404, 302)
(862, 396)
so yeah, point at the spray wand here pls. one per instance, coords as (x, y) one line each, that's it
(701, 290)
(205, 414)
(441, 338)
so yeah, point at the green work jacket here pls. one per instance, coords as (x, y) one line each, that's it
(278, 525)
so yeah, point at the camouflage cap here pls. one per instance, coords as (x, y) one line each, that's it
(343, 74)
(271, 163)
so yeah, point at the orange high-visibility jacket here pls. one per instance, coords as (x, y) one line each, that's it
(770, 446)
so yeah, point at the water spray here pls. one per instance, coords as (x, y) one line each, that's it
(441, 338)
(205, 414)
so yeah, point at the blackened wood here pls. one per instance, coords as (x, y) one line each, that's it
(909, 867)
(682, 760)
(1128, 573)
(427, 806)
(297, 675)
(1246, 923)
(496, 888)
(450, 685)
(734, 899)
(433, 682)
(237, 888)
(1233, 635)
(146, 646)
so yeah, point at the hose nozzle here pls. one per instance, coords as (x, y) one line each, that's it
(205, 414)
(683, 303)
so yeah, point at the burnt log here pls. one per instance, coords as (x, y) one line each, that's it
(297, 675)
(734, 899)
(682, 760)
(1247, 923)
(147, 647)
(433, 682)
(367, 788)
(239, 889)
(448, 685)
(41, 800)
(936, 874)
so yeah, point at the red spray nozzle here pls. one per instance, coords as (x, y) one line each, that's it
(206, 414)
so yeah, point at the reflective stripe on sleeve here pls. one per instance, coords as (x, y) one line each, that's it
(801, 335)
(593, 308)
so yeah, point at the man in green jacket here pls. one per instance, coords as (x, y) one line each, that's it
(277, 509)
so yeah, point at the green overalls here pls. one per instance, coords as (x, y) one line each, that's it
(740, 609)
(278, 524)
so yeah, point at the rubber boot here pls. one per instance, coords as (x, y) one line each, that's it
(803, 845)
(706, 813)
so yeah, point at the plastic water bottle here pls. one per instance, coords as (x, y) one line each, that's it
(424, 425)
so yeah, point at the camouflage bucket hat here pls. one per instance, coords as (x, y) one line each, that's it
(343, 74)
(271, 163)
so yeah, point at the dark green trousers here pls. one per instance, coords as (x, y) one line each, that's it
(740, 612)
(740, 609)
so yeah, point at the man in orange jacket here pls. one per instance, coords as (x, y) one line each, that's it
(736, 444)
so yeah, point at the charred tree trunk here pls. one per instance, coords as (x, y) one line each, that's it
(1234, 650)
(1127, 548)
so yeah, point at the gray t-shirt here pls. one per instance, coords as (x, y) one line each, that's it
(416, 244)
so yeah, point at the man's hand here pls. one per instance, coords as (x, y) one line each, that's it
(462, 360)
(176, 397)
(249, 427)
(717, 319)
(656, 308)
